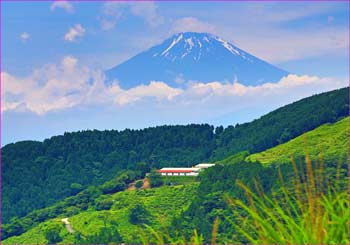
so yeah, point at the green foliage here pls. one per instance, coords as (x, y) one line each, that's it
(119, 183)
(219, 181)
(38, 174)
(52, 234)
(330, 141)
(107, 234)
(139, 184)
(70, 206)
(139, 215)
(153, 236)
(163, 204)
(76, 188)
(304, 214)
(155, 179)
(179, 180)
(283, 124)
(104, 204)
(143, 167)
(235, 158)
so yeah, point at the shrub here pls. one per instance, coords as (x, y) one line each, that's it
(104, 204)
(139, 184)
(75, 188)
(139, 215)
(155, 179)
(52, 234)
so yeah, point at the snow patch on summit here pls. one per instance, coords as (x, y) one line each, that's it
(196, 45)
(190, 42)
(178, 39)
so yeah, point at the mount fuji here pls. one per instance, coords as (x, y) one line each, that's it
(194, 56)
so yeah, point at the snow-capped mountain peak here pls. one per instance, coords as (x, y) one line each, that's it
(194, 56)
(184, 44)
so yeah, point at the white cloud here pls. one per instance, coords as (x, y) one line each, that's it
(147, 11)
(74, 32)
(67, 6)
(51, 87)
(24, 36)
(191, 24)
(69, 84)
(155, 89)
(112, 12)
(284, 45)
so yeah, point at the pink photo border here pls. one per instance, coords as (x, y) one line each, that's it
(256, 1)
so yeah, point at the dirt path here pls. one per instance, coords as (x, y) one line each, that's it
(68, 225)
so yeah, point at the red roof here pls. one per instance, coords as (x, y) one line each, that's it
(175, 171)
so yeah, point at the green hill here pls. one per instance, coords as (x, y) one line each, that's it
(162, 205)
(183, 208)
(329, 141)
(283, 124)
(38, 174)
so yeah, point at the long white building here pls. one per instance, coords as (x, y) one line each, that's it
(179, 171)
(194, 171)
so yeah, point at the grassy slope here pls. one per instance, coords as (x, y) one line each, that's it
(329, 140)
(163, 204)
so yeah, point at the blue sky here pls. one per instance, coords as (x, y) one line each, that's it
(51, 48)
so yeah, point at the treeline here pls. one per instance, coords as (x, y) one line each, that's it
(283, 124)
(38, 174)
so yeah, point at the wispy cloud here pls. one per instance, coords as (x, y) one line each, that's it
(275, 35)
(191, 24)
(112, 12)
(24, 36)
(65, 5)
(74, 32)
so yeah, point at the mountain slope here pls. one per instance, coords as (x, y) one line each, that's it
(162, 203)
(218, 184)
(283, 124)
(38, 174)
(329, 141)
(197, 57)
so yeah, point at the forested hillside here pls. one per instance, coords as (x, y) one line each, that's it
(326, 146)
(101, 214)
(124, 217)
(38, 174)
(283, 124)
(329, 142)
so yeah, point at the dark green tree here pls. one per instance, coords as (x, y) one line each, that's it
(155, 179)
(139, 184)
(139, 215)
(52, 234)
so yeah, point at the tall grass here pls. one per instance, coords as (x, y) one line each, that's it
(150, 236)
(313, 211)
